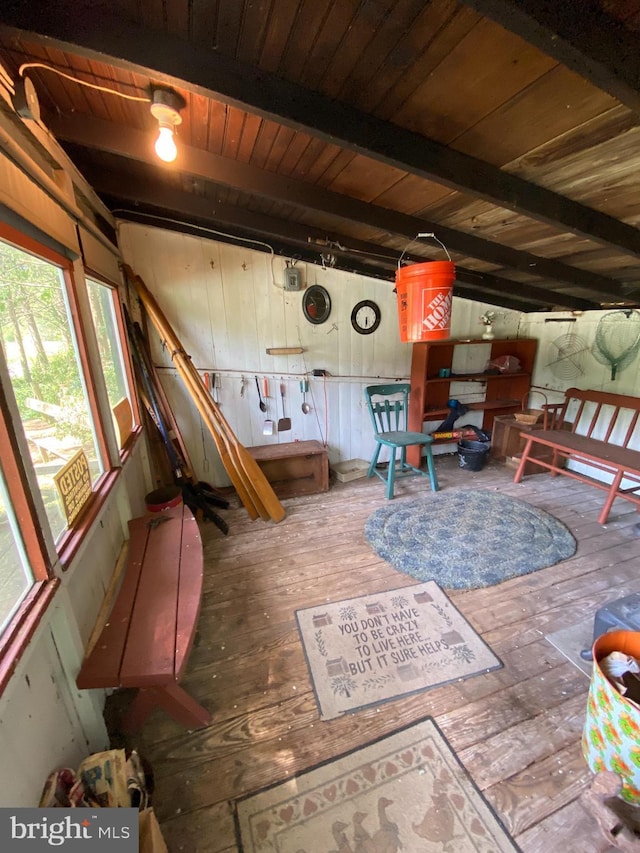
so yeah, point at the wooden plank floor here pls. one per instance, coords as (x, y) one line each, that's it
(517, 730)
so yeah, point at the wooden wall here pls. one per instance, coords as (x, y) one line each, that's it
(227, 306)
(549, 329)
(45, 722)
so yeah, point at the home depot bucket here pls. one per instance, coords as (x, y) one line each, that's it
(429, 289)
(403, 305)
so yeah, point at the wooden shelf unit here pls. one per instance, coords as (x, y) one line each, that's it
(502, 393)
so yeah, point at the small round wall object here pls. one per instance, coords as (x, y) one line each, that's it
(365, 317)
(316, 304)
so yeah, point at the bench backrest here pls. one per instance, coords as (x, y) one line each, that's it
(599, 414)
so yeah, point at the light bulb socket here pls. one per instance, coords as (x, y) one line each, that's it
(165, 107)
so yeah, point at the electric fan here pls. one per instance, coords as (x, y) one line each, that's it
(566, 356)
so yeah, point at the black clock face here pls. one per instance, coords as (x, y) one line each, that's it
(365, 317)
(316, 304)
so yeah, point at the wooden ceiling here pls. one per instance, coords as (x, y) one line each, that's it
(338, 130)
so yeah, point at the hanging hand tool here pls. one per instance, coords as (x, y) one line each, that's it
(268, 427)
(284, 424)
(263, 406)
(304, 387)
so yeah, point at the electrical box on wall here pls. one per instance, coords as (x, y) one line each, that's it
(292, 279)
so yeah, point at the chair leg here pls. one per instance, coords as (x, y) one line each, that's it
(432, 470)
(391, 474)
(374, 461)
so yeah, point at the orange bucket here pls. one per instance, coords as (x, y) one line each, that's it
(429, 290)
(403, 307)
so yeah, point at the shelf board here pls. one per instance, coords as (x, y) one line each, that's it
(481, 406)
(474, 377)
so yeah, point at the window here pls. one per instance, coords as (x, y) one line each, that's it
(114, 366)
(54, 408)
(44, 362)
(16, 577)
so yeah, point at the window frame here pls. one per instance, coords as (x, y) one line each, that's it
(39, 546)
(136, 428)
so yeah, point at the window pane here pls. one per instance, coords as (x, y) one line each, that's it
(101, 299)
(15, 576)
(40, 347)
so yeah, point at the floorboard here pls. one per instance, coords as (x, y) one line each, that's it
(517, 730)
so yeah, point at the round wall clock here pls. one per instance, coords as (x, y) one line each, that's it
(365, 317)
(316, 304)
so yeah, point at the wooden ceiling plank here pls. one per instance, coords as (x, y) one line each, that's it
(181, 64)
(152, 13)
(295, 152)
(281, 144)
(229, 23)
(202, 29)
(309, 21)
(443, 24)
(198, 128)
(281, 21)
(579, 35)
(133, 144)
(250, 132)
(387, 41)
(253, 29)
(323, 47)
(217, 123)
(585, 137)
(177, 12)
(483, 72)
(549, 108)
(232, 134)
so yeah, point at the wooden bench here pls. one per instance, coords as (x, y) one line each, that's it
(149, 633)
(613, 419)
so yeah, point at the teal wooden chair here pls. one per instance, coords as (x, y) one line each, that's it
(388, 407)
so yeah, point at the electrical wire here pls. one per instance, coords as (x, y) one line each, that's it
(26, 65)
(208, 230)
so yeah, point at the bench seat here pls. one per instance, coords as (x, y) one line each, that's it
(149, 633)
(614, 417)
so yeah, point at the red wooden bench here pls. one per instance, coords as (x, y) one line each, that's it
(149, 633)
(603, 425)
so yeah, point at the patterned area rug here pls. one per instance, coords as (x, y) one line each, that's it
(366, 650)
(466, 539)
(404, 792)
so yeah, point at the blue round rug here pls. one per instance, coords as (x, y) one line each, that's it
(467, 539)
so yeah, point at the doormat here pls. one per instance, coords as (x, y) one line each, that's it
(468, 538)
(406, 791)
(366, 650)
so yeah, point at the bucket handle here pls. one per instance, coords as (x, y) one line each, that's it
(417, 237)
(534, 391)
(526, 396)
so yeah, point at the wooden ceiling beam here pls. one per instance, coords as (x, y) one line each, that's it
(581, 36)
(138, 146)
(88, 30)
(145, 195)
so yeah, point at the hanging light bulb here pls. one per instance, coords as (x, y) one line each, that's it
(165, 107)
(165, 144)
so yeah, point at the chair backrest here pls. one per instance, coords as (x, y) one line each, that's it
(388, 406)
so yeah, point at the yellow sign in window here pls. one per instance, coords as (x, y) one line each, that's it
(74, 485)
